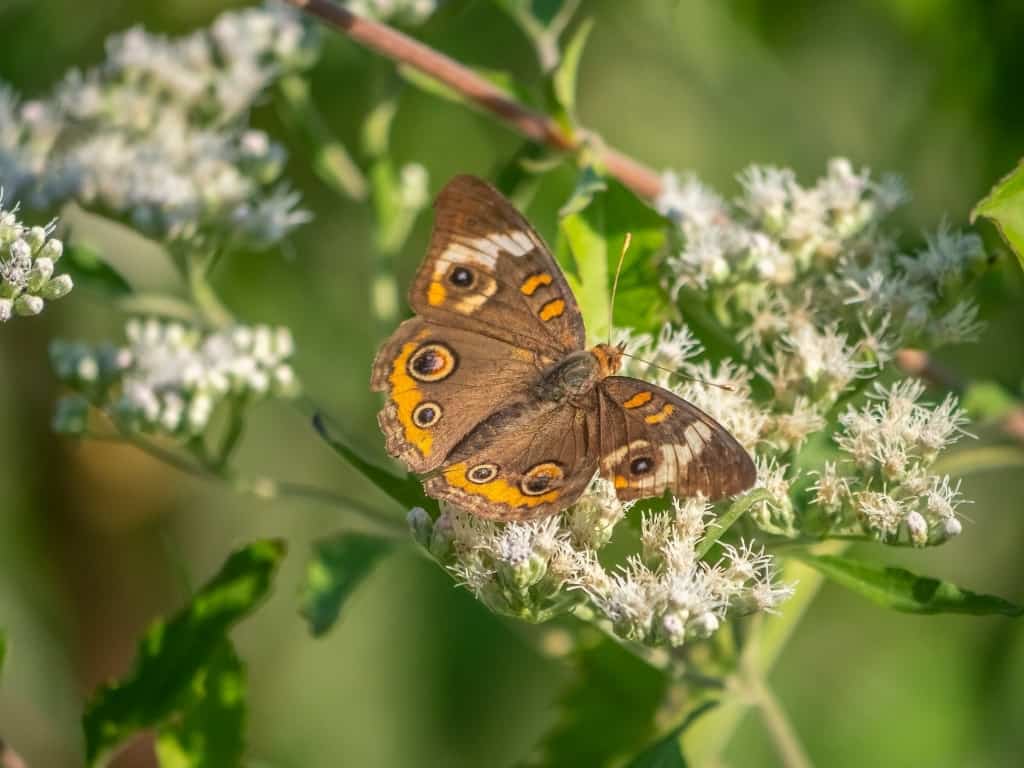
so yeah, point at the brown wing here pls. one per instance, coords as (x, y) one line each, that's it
(526, 461)
(440, 383)
(652, 441)
(487, 271)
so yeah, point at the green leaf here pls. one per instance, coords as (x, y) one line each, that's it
(1004, 205)
(338, 567)
(172, 653)
(210, 733)
(608, 679)
(987, 401)
(563, 80)
(130, 259)
(902, 590)
(595, 235)
(666, 752)
(725, 521)
(87, 268)
(407, 491)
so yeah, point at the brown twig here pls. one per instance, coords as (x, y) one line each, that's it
(534, 125)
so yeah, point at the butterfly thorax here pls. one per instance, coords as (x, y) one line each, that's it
(576, 375)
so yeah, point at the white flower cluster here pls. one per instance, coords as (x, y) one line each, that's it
(158, 133)
(784, 256)
(883, 485)
(170, 378)
(664, 595)
(408, 12)
(27, 259)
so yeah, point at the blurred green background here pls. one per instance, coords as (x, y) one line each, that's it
(417, 673)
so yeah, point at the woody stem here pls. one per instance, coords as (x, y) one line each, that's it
(534, 125)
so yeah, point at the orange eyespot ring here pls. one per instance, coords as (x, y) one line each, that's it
(432, 362)
(540, 478)
(482, 473)
(426, 414)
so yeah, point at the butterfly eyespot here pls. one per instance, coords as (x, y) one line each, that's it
(461, 277)
(426, 414)
(432, 362)
(641, 466)
(541, 478)
(482, 473)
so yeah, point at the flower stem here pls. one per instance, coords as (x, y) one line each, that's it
(773, 716)
(206, 299)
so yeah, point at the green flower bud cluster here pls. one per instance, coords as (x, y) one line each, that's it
(28, 256)
(170, 378)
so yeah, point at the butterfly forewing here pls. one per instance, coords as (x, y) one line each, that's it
(441, 382)
(487, 270)
(651, 441)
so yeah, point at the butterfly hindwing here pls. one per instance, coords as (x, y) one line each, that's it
(652, 441)
(440, 383)
(488, 271)
(525, 461)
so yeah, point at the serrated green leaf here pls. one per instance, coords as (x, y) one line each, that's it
(210, 732)
(666, 752)
(337, 568)
(407, 491)
(172, 653)
(902, 590)
(584, 232)
(608, 679)
(1004, 205)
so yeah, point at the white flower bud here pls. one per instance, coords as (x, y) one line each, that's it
(420, 525)
(6, 310)
(704, 625)
(951, 526)
(58, 287)
(917, 527)
(27, 305)
(52, 250)
(88, 369)
(35, 238)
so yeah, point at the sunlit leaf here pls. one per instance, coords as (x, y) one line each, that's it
(595, 235)
(1004, 205)
(902, 590)
(608, 679)
(666, 752)
(337, 568)
(407, 491)
(210, 731)
(173, 652)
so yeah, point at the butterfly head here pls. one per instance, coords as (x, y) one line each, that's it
(609, 359)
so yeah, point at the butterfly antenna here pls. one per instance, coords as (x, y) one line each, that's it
(615, 284)
(699, 380)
